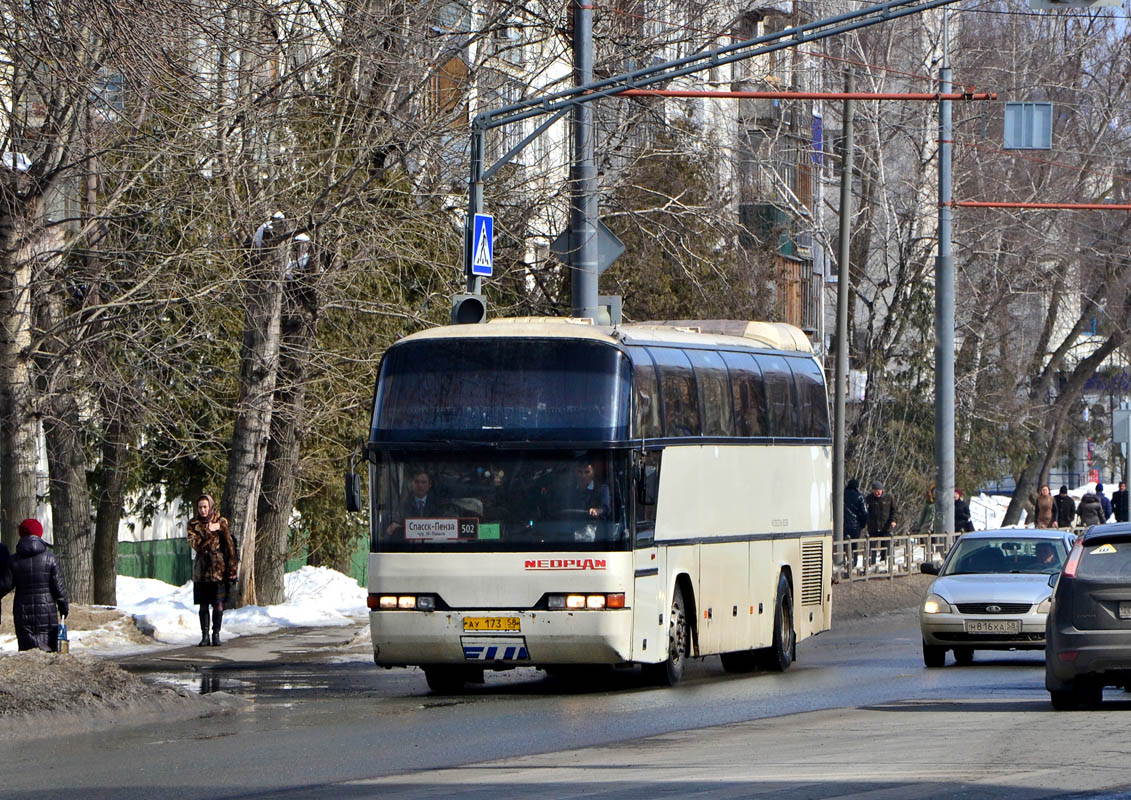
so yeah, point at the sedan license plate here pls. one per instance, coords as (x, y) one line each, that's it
(491, 624)
(993, 626)
(1124, 609)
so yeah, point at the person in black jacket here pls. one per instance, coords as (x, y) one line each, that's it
(1119, 505)
(855, 512)
(39, 590)
(962, 521)
(1065, 509)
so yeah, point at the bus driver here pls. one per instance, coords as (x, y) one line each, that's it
(587, 495)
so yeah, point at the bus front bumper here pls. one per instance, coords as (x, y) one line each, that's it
(501, 639)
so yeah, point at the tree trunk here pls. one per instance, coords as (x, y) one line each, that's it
(259, 361)
(276, 501)
(18, 428)
(110, 499)
(70, 500)
(57, 368)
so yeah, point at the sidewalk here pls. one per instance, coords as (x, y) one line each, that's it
(280, 647)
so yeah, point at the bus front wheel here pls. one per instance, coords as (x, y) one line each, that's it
(669, 672)
(782, 652)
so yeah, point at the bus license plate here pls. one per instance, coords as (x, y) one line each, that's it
(491, 624)
(993, 626)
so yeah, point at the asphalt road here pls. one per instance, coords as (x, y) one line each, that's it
(857, 715)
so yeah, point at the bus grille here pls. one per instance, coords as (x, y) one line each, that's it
(812, 564)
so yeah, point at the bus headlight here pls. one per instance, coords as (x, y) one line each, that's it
(578, 602)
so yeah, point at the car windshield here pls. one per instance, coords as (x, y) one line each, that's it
(498, 501)
(1006, 554)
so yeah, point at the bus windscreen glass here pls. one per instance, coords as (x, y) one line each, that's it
(534, 500)
(503, 389)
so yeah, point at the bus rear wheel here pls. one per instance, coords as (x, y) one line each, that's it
(781, 654)
(669, 672)
(451, 679)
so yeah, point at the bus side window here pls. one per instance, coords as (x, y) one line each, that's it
(681, 397)
(714, 392)
(646, 394)
(748, 395)
(780, 397)
(813, 401)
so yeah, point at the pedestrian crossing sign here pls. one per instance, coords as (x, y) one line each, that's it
(482, 255)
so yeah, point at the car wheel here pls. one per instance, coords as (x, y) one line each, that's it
(964, 656)
(933, 655)
(1064, 700)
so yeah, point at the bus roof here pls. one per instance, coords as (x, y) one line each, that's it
(771, 335)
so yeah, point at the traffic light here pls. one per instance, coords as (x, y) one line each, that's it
(468, 309)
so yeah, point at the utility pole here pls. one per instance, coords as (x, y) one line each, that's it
(583, 177)
(944, 319)
(842, 291)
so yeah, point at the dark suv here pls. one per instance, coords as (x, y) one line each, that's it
(1088, 632)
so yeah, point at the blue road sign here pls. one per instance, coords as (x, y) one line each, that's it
(482, 252)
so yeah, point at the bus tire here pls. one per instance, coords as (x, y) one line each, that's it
(451, 679)
(779, 655)
(670, 671)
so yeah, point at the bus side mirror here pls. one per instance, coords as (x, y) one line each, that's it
(353, 491)
(646, 489)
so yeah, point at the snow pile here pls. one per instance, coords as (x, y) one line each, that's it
(315, 596)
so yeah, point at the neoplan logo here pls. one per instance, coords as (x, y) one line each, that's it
(565, 563)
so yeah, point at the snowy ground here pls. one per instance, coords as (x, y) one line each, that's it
(315, 596)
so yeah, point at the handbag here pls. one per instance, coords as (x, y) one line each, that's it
(62, 645)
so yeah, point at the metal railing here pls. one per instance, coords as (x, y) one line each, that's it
(869, 558)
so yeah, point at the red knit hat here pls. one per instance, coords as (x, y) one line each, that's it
(31, 527)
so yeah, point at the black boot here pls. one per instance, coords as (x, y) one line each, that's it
(203, 625)
(217, 617)
(216, 638)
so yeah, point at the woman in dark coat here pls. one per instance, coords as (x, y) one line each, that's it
(215, 567)
(38, 581)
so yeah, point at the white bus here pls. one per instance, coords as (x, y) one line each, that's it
(550, 493)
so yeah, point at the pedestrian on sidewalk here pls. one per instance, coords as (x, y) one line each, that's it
(1119, 505)
(1105, 501)
(962, 521)
(40, 592)
(881, 518)
(215, 567)
(1091, 510)
(1044, 509)
(1065, 509)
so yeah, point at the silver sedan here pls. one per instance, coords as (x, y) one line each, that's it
(992, 593)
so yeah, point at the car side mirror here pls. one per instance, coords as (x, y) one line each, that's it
(1054, 579)
(929, 568)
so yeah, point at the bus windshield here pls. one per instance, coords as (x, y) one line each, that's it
(497, 501)
(502, 389)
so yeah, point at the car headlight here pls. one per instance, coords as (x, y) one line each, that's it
(936, 605)
(1044, 606)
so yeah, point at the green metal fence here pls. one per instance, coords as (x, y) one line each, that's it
(170, 560)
